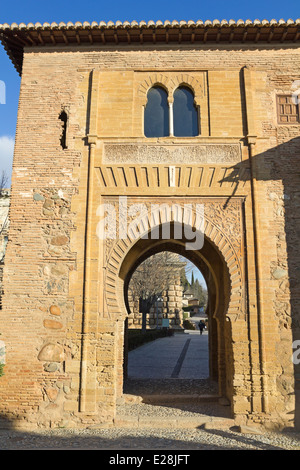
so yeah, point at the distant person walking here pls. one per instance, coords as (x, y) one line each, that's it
(201, 326)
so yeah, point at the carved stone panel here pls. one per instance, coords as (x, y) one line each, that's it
(170, 154)
(222, 226)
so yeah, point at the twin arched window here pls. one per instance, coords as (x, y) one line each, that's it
(163, 118)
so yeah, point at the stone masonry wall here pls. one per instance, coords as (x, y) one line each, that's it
(169, 307)
(41, 320)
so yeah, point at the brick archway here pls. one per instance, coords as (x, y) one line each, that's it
(216, 237)
(224, 274)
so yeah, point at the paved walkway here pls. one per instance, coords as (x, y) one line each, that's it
(168, 383)
(183, 356)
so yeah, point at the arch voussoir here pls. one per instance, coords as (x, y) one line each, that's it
(212, 232)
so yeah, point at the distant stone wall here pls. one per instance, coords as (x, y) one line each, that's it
(169, 307)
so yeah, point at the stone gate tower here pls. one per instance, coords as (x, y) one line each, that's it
(178, 115)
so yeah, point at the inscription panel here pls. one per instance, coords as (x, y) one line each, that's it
(168, 154)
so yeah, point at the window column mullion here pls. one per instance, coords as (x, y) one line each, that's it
(171, 121)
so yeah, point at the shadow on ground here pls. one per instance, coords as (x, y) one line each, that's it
(173, 398)
(114, 440)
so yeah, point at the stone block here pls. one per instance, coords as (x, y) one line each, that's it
(51, 352)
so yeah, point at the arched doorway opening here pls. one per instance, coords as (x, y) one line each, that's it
(165, 286)
(211, 262)
(167, 298)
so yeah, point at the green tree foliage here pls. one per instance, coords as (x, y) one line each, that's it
(184, 281)
(199, 292)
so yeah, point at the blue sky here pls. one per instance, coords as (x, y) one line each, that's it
(27, 11)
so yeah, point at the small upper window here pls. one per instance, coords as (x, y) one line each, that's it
(185, 113)
(287, 110)
(63, 138)
(156, 119)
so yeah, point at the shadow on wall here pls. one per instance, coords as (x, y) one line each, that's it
(280, 166)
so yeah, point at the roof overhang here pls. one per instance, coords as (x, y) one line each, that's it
(15, 37)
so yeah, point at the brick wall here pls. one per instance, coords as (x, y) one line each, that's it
(41, 322)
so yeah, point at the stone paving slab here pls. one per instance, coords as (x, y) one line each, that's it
(183, 355)
(167, 399)
(173, 423)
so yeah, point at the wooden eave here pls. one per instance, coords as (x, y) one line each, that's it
(15, 37)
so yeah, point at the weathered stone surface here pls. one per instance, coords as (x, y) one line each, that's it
(38, 197)
(243, 429)
(279, 273)
(141, 153)
(55, 310)
(59, 240)
(48, 212)
(48, 204)
(51, 393)
(59, 270)
(52, 324)
(52, 367)
(51, 352)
